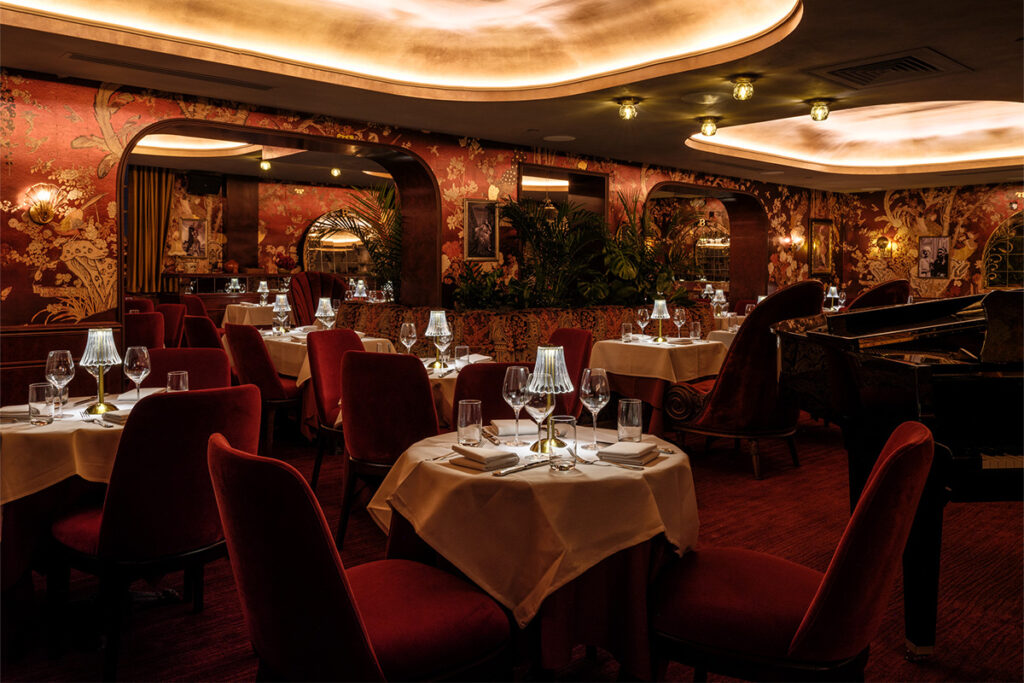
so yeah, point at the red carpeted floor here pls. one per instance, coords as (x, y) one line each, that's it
(797, 513)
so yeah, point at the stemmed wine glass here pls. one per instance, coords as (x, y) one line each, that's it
(842, 298)
(442, 342)
(643, 316)
(60, 370)
(679, 318)
(513, 390)
(539, 403)
(407, 336)
(136, 366)
(595, 393)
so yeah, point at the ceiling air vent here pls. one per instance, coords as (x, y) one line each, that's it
(163, 71)
(900, 67)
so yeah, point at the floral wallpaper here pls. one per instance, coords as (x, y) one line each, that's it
(208, 207)
(285, 211)
(74, 137)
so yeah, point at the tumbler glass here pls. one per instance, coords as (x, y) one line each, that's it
(630, 416)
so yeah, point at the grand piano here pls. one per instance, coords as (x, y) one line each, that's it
(957, 365)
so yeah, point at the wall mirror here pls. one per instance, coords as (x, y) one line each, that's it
(587, 189)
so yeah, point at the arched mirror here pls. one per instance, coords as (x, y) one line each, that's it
(1004, 254)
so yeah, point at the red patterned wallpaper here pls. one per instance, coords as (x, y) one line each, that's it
(287, 210)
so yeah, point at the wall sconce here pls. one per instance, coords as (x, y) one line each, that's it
(743, 86)
(885, 246)
(43, 201)
(820, 108)
(709, 125)
(628, 107)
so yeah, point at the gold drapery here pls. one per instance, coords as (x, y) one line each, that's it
(149, 211)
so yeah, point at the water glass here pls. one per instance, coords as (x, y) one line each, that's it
(695, 330)
(40, 403)
(563, 457)
(461, 357)
(627, 332)
(60, 370)
(630, 419)
(177, 380)
(407, 336)
(382, 347)
(470, 423)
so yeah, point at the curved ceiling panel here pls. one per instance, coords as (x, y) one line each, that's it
(451, 49)
(889, 138)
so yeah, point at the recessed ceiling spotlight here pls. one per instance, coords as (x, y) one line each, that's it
(264, 165)
(558, 138)
(820, 108)
(335, 172)
(627, 107)
(743, 86)
(709, 125)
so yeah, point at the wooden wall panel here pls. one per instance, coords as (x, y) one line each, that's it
(241, 221)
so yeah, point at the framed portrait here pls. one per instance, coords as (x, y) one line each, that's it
(193, 236)
(819, 250)
(480, 231)
(933, 257)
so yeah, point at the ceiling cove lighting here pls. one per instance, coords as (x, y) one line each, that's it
(820, 109)
(530, 182)
(163, 144)
(709, 125)
(743, 87)
(628, 107)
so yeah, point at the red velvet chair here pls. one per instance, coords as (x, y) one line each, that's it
(889, 293)
(739, 307)
(159, 514)
(326, 349)
(311, 619)
(140, 304)
(201, 333)
(207, 368)
(577, 344)
(387, 406)
(144, 329)
(174, 323)
(743, 402)
(750, 615)
(253, 365)
(306, 290)
(483, 382)
(194, 305)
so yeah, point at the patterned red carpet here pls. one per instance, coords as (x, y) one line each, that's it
(797, 513)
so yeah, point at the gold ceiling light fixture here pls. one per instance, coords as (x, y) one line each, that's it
(628, 107)
(820, 108)
(335, 172)
(264, 165)
(709, 125)
(743, 86)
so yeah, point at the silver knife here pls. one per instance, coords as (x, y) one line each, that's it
(492, 439)
(519, 468)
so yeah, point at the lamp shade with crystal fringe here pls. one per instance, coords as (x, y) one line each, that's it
(719, 296)
(100, 353)
(660, 311)
(833, 293)
(551, 362)
(438, 325)
(281, 303)
(708, 291)
(263, 289)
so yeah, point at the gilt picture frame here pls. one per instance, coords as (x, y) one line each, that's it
(819, 248)
(480, 230)
(194, 237)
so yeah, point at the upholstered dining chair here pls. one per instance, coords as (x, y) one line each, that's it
(326, 349)
(254, 366)
(201, 333)
(743, 402)
(159, 514)
(307, 287)
(195, 306)
(483, 382)
(174, 319)
(888, 293)
(206, 368)
(312, 619)
(144, 329)
(750, 615)
(387, 405)
(138, 304)
(577, 344)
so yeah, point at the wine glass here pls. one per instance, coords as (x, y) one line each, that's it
(137, 366)
(539, 402)
(442, 342)
(407, 336)
(643, 316)
(679, 318)
(595, 394)
(749, 309)
(842, 298)
(60, 370)
(513, 390)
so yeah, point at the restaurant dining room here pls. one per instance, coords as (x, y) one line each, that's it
(519, 340)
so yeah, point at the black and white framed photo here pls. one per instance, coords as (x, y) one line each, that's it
(933, 257)
(480, 230)
(193, 236)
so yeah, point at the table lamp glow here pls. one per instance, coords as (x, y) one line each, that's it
(100, 354)
(437, 326)
(660, 313)
(550, 363)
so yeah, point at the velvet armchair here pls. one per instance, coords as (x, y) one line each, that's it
(326, 349)
(144, 329)
(307, 288)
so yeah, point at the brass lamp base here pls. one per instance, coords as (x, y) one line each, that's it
(547, 445)
(661, 339)
(100, 408)
(438, 365)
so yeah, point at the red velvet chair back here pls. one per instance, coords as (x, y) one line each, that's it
(745, 397)
(387, 405)
(846, 611)
(888, 293)
(138, 303)
(306, 290)
(739, 307)
(201, 333)
(194, 305)
(144, 329)
(326, 349)
(577, 344)
(160, 501)
(252, 361)
(207, 368)
(483, 381)
(302, 619)
(174, 323)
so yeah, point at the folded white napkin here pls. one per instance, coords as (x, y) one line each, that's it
(508, 427)
(15, 412)
(681, 341)
(129, 396)
(479, 358)
(117, 416)
(629, 452)
(484, 459)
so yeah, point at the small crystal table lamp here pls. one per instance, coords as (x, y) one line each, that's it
(660, 313)
(281, 310)
(437, 326)
(361, 291)
(100, 354)
(719, 303)
(325, 313)
(550, 363)
(708, 291)
(233, 285)
(263, 291)
(833, 296)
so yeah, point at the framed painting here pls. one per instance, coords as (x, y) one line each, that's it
(933, 257)
(480, 230)
(819, 250)
(194, 237)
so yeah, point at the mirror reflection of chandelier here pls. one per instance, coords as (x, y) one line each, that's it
(710, 239)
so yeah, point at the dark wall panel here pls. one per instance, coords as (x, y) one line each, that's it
(241, 221)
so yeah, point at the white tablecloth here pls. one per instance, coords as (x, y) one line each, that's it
(726, 321)
(289, 352)
(723, 336)
(668, 361)
(250, 314)
(523, 536)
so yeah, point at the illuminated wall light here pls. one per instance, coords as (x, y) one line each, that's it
(264, 165)
(628, 107)
(820, 109)
(335, 172)
(709, 125)
(743, 87)
(43, 200)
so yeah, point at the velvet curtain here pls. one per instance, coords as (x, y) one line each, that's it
(149, 211)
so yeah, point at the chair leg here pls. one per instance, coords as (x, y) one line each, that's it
(755, 458)
(113, 594)
(346, 506)
(267, 440)
(321, 446)
(194, 576)
(791, 440)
